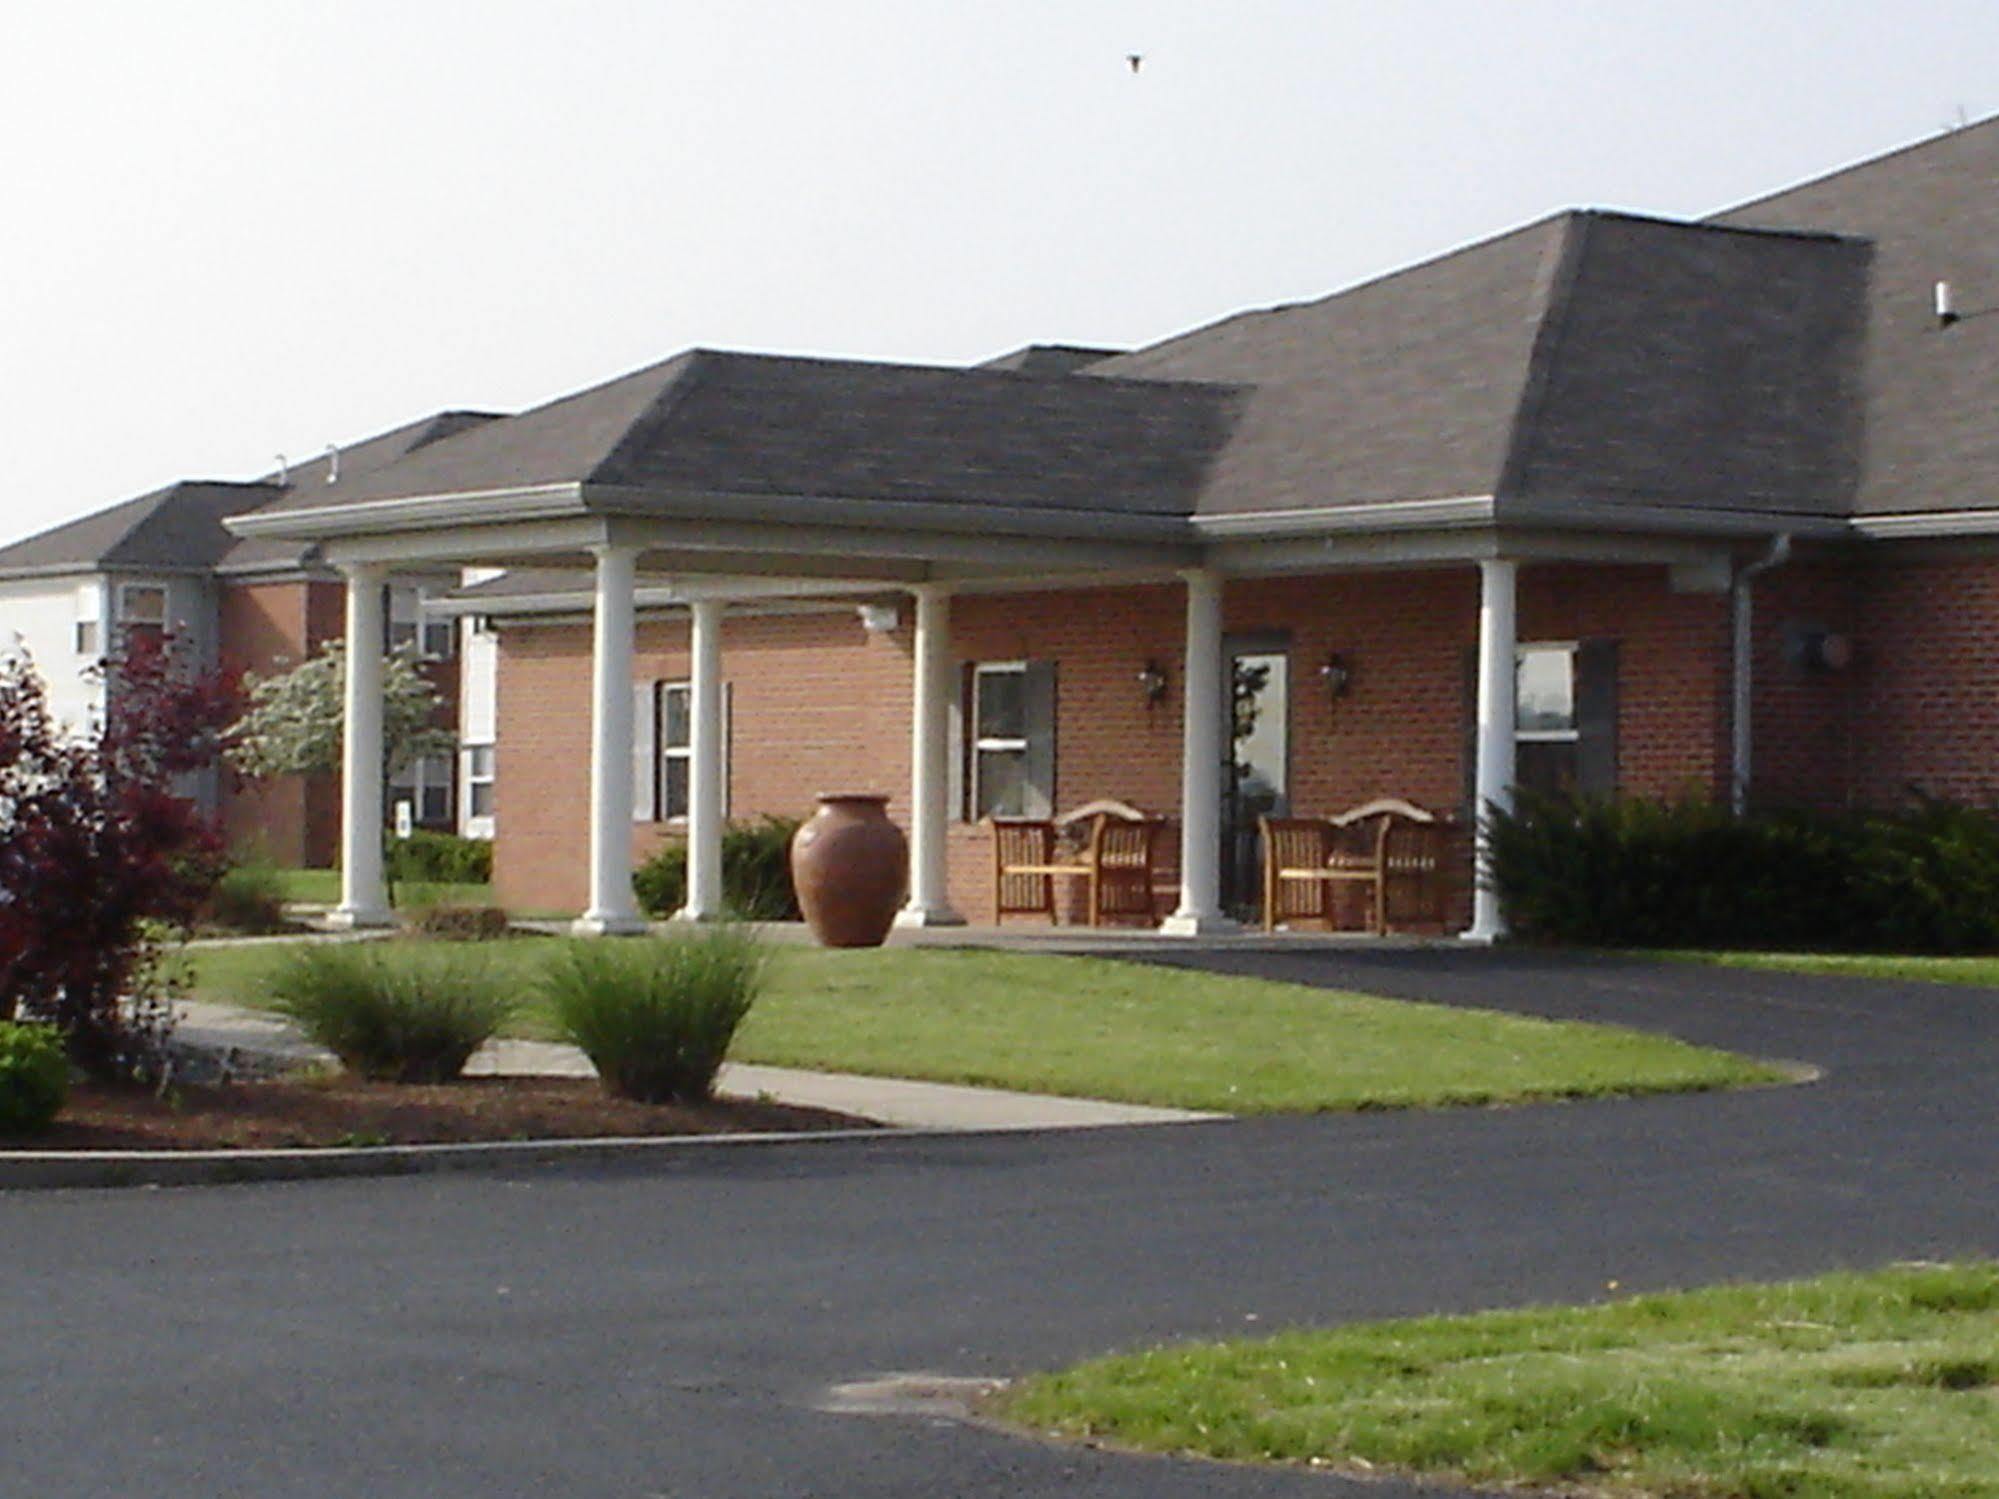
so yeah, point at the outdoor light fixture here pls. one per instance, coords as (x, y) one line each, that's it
(1337, 675)
(1152, 678)
(879, 619)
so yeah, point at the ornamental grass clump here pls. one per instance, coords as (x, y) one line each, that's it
(34, 1077)
(390, 1012)
(656, 1017)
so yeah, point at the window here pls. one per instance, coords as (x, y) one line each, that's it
(479, 780)
(432, 639)
(1010, 710)
(426, 785)
(999, 744)
(663, 750)
(89, 639)
(1544, 717)
(676, 748)
(142, 604)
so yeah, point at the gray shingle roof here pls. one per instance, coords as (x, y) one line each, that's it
(1588, 357)
(180, 528)
(176, 529)
(1048, 359)
(1929, 393)
(749, 424)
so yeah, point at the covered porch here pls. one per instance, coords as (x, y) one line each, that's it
(1145, 632)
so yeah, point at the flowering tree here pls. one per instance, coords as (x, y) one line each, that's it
(97, 840)
(296, 719)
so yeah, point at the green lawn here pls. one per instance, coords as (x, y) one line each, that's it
(1960, 970)
(321, 887)
(1098, 1029)
(1882, 1386)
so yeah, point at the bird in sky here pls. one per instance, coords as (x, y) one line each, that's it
(1134, 58)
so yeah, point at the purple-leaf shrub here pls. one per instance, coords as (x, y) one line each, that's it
(100, 836)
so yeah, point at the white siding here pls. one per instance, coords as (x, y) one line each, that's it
(478, 703)
(40, 616)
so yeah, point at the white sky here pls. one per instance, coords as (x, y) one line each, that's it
(234, 228)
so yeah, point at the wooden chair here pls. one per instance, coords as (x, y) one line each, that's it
(1390, 849)
(1116, 866)
(1301, 867)
(1025, 868)
(1122, 856)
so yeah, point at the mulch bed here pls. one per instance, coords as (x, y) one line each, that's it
(346, 1111)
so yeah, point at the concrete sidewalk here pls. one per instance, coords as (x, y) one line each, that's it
(897, 1102)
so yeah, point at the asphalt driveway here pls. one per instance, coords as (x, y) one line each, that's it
(673, 1330)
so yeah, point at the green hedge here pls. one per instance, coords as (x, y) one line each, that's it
(34, 1077)
(440, 859)
(756, 873)
(1626, 871)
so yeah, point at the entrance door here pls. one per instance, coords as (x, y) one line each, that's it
(1257, 775)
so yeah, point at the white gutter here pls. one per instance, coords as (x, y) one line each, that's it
(1743, 608)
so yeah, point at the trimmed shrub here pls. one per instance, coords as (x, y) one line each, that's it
(756, 873)
(462, 923)
(390, 1012)
(34, 1077)
(656, 1017)
(1631, 872)
(439, 859)
(248, 898)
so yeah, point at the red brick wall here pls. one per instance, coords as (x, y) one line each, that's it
(1925, 684)
(819, 704)
(264, 628)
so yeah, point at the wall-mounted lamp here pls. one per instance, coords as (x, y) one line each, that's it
(1946, 305)
(879, 619)
(1152, 680)
(1337, 675)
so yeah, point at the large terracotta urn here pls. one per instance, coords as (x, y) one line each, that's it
(850, 865)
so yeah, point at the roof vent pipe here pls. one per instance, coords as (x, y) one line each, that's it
(332, 463)
(1946, 305)
(1744, 618)
(284, 470)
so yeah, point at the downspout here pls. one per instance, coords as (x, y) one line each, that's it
(1743, 610)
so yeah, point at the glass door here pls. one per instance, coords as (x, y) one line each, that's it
(1256, 778)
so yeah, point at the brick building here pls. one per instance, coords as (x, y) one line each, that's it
(165, 562)
(1609, 501)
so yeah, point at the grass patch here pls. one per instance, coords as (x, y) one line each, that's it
(1096, 1029)
(1980, 971)
(321, 887)
(1843, 1387)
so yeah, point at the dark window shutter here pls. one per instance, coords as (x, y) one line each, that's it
(1040, 770)
(1596, 717)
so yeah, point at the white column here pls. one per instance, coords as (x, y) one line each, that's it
(929, 764)
(363, 900)
(704, 778)
(612, 907)
(1201, 750)
(1494, 779)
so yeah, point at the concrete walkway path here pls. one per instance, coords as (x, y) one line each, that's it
(898, 1102)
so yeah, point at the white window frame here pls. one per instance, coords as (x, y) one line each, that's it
(1573, 733)
(475, 779)
(125, 614)
(89, 639)
(668, 753)
(996, 744)
(414, 780)
(664, 753)
(431, 639)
